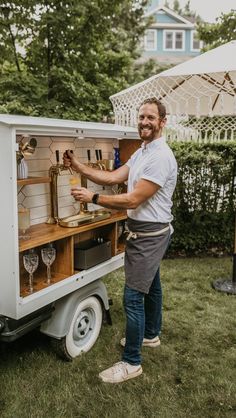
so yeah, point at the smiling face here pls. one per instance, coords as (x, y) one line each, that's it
(150, 124)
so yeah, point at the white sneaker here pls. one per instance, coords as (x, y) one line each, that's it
(154, 342)
(120, 372)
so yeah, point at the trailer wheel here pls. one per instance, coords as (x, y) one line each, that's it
(84, 330)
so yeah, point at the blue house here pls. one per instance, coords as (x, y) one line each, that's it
(171, 38)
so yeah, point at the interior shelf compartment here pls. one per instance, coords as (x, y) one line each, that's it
(62, 267)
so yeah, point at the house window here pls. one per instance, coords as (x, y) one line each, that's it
(178, 40)
(174, 40)
(150, 40)
(169, 40)
(196, 44)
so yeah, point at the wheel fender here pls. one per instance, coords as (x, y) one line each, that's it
(58, 324)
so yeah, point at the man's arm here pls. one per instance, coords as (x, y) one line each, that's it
(97, 176)
(143, 190)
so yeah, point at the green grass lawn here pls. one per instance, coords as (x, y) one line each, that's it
(192, 373)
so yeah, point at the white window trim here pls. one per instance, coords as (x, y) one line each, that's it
(174, 32)
(201, 42)
(155, 40)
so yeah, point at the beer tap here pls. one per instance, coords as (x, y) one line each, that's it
(54, 171)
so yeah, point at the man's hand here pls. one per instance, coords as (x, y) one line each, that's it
(69, 160)
(82, 194)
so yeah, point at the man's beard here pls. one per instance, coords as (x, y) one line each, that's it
(147, 133)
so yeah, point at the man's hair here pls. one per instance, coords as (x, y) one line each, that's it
(161, 108)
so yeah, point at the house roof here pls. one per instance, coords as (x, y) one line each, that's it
(179, 19)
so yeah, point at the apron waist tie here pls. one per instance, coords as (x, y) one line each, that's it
(137, 234)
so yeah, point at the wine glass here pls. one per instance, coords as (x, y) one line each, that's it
(48, 256)
(31, 261)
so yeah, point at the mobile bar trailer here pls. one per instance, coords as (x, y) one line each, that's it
(86, 243)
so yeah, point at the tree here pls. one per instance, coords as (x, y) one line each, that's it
(176, 7)
(74, 55)
(215, 34)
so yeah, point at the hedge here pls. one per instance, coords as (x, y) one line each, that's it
(205, 197)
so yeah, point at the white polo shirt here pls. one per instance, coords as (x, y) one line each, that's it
(154, 162)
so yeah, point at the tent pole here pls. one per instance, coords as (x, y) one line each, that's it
(228, 286)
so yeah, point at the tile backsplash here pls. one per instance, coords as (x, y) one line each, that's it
(36, 197)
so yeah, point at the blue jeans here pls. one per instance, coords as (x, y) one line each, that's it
(143, 318)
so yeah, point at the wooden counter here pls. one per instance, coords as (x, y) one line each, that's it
(43, 233)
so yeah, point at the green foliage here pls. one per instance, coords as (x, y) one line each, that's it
(205, 197)
(64, 59)
(217, 34)
(176, 7)
(145, 70)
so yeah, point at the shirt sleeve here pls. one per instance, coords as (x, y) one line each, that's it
(157, 170)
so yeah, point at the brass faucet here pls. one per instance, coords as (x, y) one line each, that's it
(84, 182)
(54, 172)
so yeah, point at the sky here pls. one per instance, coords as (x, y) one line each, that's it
(209, 10)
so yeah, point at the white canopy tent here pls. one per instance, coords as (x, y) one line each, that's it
(204, 86)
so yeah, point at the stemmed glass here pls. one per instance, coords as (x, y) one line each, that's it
(48, 256)
(31, 262)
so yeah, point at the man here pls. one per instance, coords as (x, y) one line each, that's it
(151, 173)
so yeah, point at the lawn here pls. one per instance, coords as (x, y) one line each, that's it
(192, 374)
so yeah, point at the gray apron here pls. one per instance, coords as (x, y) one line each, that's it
(144, 254)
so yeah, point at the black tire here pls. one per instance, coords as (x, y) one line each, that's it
(83, 331)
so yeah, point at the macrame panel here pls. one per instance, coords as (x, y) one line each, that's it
(199, 106)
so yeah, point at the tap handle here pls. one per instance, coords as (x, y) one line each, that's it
(97, 154)
(71, 150)
(89, 155)
(57, 156)
(100, 154)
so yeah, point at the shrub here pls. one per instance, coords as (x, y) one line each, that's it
(204, 200)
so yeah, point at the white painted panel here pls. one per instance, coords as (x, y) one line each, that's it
(64, 178)
(37, 201)
(21, 197)
(41, 153)
(39, 212)
(62, 146)
(39, 173)
(85, 143)
(43, 141)
(9, 275)
(62, 139)
(64, 191)
(65, 201)
(38, 165)
(39, 220)
(67, 211)
(36, 189)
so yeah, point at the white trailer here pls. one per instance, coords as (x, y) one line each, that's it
(71, 308)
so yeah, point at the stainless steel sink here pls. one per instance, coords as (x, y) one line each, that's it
(86, 217)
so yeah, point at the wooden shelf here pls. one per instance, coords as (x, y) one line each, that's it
(33, 180)
(44, 233)
(39, 282)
